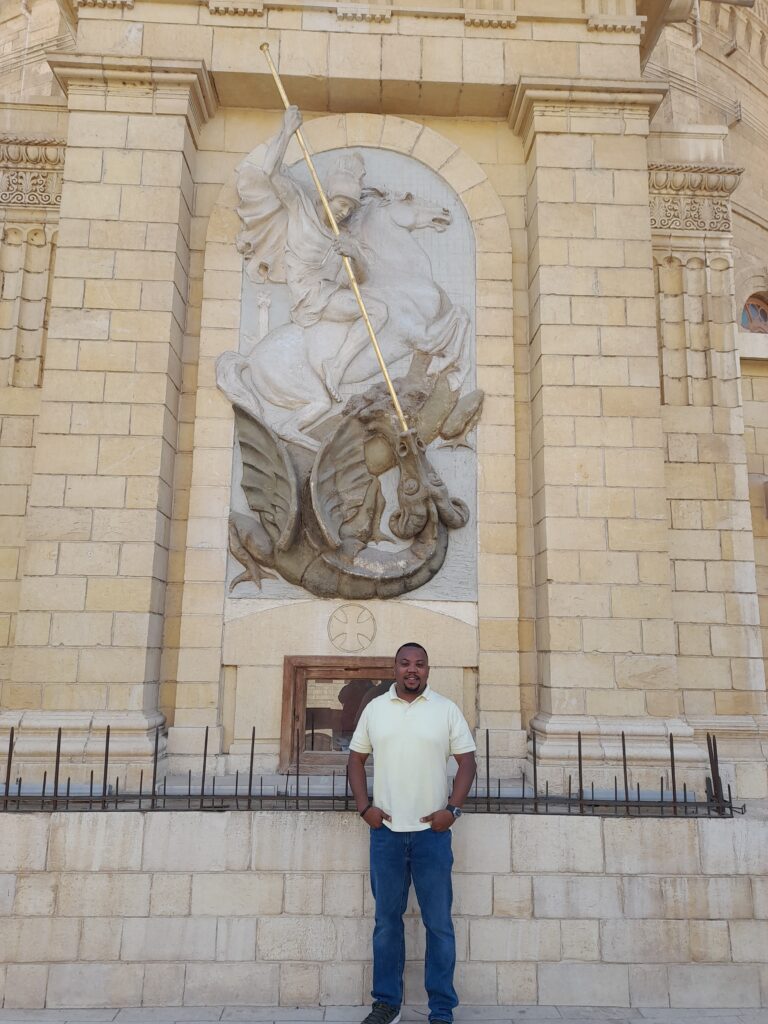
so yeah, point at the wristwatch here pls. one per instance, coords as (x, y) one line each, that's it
(455, 811)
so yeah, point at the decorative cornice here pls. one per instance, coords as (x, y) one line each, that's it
(178, 86)
(253, 8)
(30, 171)
(607, 23)
(77, 4)
(566, 94)
(363, 12)
(698, 179)
(490, 19)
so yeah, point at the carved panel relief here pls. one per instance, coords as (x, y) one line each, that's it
(329, 495)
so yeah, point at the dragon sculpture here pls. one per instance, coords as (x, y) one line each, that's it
(317, 517)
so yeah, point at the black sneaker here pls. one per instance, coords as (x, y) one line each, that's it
(383, 1013)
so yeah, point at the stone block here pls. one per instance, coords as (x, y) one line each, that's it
(748, 939)
(103, 894)
(95, 985)
(519, 940)
(297, 938)
(232, 985)
(741, 849)
(710, 942)
(95, 842)
(577, 896)
(651, 847)
(482, 845)
(645, 941)
(303, 894)
(343, 895)
(168, 938)
(712, 986)
(234, 894)
(341, 984)
(197, 842)
(516, 984)
(292, 842)
(354, 936)
(477, 983)
(25, 843)
(299, 984)
(512, 896)
(580, 940)
(7, 893)
(25, 986)
(100, 939)
(163, 984)
(35, 895)
(472, 895)
(236, 939)
(171, 895)
(37, 939)
(648, 985)
(556, 844)
(564, 984)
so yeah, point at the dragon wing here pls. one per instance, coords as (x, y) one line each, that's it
(340, 479)
(269, 477)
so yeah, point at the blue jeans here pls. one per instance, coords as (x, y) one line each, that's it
(425, 857)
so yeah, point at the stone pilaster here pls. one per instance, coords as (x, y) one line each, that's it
(92, 596)
(720, 663)
(604, 625)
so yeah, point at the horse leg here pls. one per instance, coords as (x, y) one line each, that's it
(292, 429)
(344, 305)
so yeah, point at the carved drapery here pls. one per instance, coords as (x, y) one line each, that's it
(30, 195)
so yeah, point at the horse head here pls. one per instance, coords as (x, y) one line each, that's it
(407, 210)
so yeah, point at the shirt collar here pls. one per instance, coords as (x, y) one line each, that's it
(426, 694)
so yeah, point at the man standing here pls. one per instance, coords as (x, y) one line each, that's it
(411, 730)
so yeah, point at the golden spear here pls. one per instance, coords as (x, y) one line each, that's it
(335, 228)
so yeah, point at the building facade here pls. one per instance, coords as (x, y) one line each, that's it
(602, 165)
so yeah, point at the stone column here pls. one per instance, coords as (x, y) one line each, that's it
(91, 609)
(604, 619)
(720, 658)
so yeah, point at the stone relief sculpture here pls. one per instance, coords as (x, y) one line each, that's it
(313, 457)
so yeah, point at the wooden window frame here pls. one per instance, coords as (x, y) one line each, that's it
(297, 669)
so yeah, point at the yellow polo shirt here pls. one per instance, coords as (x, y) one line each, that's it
(411, 743)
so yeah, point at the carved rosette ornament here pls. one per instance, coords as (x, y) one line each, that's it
(30, 172)
(692, 197)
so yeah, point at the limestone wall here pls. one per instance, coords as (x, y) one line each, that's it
(189, 908)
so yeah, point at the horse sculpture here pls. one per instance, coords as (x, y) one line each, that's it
(281, 379)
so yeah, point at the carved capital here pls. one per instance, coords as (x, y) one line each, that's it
(30, 171)
(691, 197)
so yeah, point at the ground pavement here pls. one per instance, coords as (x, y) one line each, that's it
(354, 1014)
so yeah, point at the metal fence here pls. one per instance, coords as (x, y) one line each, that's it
(294, 791)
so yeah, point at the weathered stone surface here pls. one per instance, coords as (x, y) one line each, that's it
(25, 841)
(651, 847)
(296, 938)
(289, 842)
(231, 894)
(232, 985)
(740, 850)
(95, 985)
(645, 941)
(104, 841)
(584, 984)
(169, 938)
(577, 896)
(515, 940)
(197, 842)
(714, 985)
(556, 844)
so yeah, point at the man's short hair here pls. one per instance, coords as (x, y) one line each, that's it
(411, 643)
